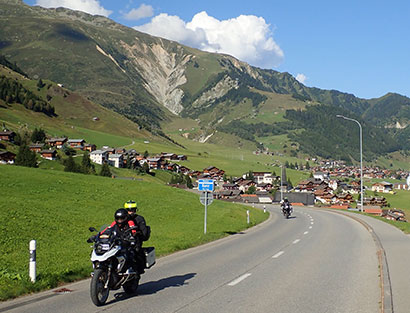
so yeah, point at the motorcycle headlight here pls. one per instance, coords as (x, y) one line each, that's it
(101, 248)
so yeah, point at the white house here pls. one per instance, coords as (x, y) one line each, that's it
(321, 175)
(333, 183)
(99, 156)
(385, 187)
(116, 160)
(261, 177)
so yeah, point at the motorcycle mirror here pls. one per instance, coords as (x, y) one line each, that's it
(92, 229)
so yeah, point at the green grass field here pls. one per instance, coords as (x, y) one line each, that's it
(56, 208)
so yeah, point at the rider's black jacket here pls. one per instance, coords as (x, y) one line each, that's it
(143, 231)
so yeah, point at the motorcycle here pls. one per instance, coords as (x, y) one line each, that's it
(287, 210)
(112, 260)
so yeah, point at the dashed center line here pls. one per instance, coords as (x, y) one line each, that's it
(239, 279)
(296, 241)
(278, 254)
(305, 233)
(310, 227)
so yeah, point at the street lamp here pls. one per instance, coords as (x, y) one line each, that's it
(281, 179)
(361, 157)
(281, 185)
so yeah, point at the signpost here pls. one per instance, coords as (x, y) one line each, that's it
(207, 196)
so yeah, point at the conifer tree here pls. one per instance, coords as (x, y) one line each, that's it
(70, 165)
(86, 166)
(26, 157)
(38, 135)
(105, 170)
(188, 182)
(145, 168)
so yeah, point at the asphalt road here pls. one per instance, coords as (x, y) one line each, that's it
(316, 262)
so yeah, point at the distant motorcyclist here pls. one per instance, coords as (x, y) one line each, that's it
(142, 234)
(286, 206)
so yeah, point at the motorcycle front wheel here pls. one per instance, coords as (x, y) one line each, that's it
(99, 294)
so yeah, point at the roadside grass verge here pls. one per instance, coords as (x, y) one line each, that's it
(56, 208)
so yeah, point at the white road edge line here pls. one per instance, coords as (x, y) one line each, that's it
(278, 254)
(239, 279)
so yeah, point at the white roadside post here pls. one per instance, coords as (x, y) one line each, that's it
(247, 216)
(32, 265)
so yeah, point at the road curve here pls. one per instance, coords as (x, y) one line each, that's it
(316, 261)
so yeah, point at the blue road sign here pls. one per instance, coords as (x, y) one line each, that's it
(206, 185)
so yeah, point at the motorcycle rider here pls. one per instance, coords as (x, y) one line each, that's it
(123, 222)
(141, 235)
(286, 205)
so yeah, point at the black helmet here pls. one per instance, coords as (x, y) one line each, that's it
(121, 216)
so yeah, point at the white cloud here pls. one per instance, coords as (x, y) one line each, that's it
(142, 12)
(301, 78)
(246, 37)
(89, 6)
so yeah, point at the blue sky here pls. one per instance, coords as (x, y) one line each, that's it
(359, 47)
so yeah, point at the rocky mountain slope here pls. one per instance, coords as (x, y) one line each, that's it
(151, 80)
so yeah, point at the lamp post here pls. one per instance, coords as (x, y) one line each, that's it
(361, 157)
(281, 185)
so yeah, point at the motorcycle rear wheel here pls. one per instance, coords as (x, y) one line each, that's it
(99, 294)
(130, 287)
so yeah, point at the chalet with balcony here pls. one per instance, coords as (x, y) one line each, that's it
(36, 147)
(182, 157)
(76, 143)
(214, 172)
(250, 198)
(230, 186)
(184, 170)
(305, 186)
(264, 187)
(245, 184)
(7, 157)
(89, 147)
(49, 154)
(401, 186)
(229, 195)
(154, 163)
(169, 156)
(7, 135)
(394, 215)
(56, 142)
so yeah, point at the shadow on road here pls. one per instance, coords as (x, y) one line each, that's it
(154, 286)
(234, 233)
